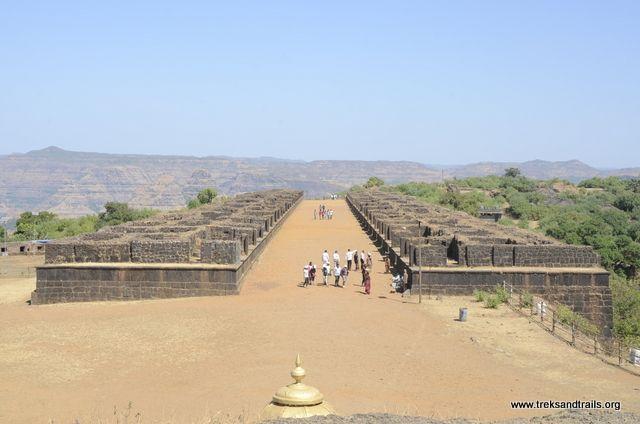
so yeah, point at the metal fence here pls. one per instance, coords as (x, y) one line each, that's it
(612, 350)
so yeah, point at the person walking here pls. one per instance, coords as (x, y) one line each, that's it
(349, 257)
(363, 259)
(364, 271)
(369, 261)
(356, 259)
(326, 270)
(387, 265)
(315, 214)
(325, 257)
(305, 274)
(344, 274)
(367, 282)
(336, 258)
(312, 275)
(336, 273)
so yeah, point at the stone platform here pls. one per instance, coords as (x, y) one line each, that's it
(457, 254)
(132, 266)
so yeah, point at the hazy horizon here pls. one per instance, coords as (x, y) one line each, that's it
(432, 165)
(430, 82)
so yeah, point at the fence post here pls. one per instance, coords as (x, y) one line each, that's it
(620, 352)
(553, 322)
(573, 333)
(595, 344)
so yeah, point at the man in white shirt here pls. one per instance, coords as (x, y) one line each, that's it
(305, 274)
(349, 257)
(336, 273)
(325, 257)
(336, 258)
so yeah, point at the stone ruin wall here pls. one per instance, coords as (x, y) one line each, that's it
(462, 253)
(204, 251)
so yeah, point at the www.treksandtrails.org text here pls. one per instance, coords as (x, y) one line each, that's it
(575, 404)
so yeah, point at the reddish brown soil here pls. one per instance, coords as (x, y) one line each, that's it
(182, 359)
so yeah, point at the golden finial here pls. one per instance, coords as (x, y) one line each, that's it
(297, 400)
(298, 373)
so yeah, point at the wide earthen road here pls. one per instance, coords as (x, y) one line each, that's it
(182, 360)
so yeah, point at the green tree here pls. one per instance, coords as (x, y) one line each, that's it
(626, 308)
(633, 184)
(117, 213)
(627, 202)
(512, 172)
(31, 226)
(206, 196)
(374, 182)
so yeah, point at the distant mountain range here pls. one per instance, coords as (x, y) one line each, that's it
(79, 183)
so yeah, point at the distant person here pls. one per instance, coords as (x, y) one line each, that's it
(356, 259)
(349, 258)
(336, 273)
(305, 274)
(325, 257)
(336, 258)
(364, 271)
(315, 214)
(369, 260)
(363, 259)
(326, 270)
(387, 265)
(397, 284)
(344, 274)
(367, 282)
(312, 275)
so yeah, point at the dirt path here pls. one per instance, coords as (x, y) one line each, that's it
(185, 359)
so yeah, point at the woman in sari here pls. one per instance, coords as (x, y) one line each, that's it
(367, 282)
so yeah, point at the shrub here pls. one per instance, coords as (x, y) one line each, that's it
(502, 294)
(527, 300)
(206, 196)
(480, 295)
(566, 316)
(492, 302)
(626, 308)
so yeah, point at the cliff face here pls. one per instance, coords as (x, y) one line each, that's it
(80, 183)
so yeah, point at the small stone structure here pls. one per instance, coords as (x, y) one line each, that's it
(458, 253)
(205, 251)
(33, 247)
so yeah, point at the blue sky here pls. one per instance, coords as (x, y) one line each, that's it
(435, 82)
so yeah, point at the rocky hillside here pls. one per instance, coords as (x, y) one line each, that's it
(79, 183)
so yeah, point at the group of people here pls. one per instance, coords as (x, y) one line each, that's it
(354, 258)
(323, 213)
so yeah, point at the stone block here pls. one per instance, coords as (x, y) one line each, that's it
(221, 251)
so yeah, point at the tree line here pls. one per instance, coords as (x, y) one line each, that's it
(47, 225)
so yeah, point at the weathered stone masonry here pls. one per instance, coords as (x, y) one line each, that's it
(201, 252)
(459, 253)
